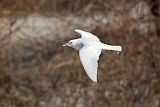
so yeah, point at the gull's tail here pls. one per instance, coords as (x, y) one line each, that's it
(111, 47)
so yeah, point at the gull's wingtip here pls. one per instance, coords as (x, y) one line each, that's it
(94, 79)
(77, 30)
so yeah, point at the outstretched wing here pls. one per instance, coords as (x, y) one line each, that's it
(89, 57)
(86, 34)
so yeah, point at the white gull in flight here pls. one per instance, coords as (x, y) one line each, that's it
(90, 48)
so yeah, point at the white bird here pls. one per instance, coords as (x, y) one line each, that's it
(90, 48)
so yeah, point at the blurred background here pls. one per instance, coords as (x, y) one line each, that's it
(36, 71)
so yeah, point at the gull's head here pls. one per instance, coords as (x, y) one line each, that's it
(71, 43)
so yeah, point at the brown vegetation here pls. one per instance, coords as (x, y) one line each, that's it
(40, 72)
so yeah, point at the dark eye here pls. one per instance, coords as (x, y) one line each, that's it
(70, 42)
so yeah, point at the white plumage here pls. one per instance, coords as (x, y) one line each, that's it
(90, 47)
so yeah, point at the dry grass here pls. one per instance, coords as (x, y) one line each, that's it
(44, 74)
(65, 7)
(51, 6)
(53, 76)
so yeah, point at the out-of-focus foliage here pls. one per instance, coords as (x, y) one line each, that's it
(70, 6)
(35, 70)
(53, 6)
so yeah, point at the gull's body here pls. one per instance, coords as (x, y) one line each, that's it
(90, 48)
